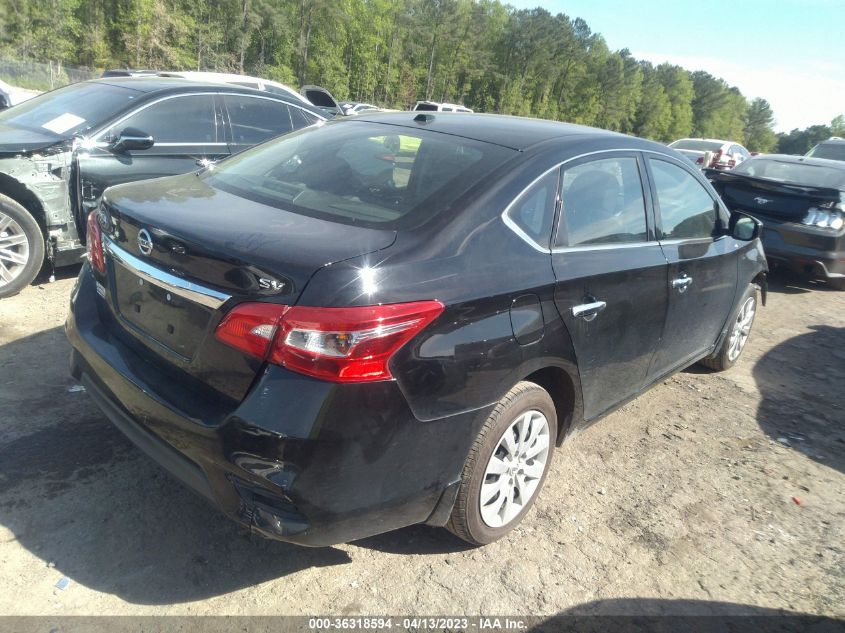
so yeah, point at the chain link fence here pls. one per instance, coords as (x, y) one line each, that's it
(41, 76)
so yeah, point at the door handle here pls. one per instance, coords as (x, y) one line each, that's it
(682, 283)
(589, 311)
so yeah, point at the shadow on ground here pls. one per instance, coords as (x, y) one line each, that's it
(800, 382)
(785, 281)
(78, 495)
(655, 615)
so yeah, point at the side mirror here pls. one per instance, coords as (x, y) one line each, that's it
(132, 138)
(743, 227)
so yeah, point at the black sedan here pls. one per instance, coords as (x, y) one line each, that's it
(801, 202)
(60, 150)
(395, 318)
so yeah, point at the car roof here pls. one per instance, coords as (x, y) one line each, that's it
(164, 85)
(709, 140)
(509, 131)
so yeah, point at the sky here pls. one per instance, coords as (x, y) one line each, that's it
(789, 52)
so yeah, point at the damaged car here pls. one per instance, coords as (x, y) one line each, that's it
(801, 202)
(60, 150)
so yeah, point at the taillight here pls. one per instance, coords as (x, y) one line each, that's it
(94, 244)
(338, 344)
(251, 327)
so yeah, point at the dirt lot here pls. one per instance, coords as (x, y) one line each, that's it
(720, 488)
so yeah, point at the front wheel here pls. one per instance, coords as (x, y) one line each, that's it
(506, 466)
(21, 247)
(731, 348)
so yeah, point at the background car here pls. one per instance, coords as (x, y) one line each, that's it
(833, 149)
(434, 106)
(709, 153)
(329, 348)
(60, 150)
(353, 107)
(801, 202)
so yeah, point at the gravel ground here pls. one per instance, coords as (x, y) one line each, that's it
(715, 488)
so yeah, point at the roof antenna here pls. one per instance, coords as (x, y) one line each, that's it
(424, 118)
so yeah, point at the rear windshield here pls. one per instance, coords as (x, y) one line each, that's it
(70, 110)
(793, 173)
(426, 107)
(833, 151)
(360, 172)
(697, 146)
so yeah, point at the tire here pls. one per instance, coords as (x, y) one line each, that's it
(525, 407)
(21, 247)
(837, 283)
(740, 331)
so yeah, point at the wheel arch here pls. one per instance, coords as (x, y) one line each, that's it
(25, 197)
(565, 394)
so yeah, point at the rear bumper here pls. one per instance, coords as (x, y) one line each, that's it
(805, 249)
(299, 460)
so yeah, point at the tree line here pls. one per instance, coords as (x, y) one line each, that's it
(482, 53)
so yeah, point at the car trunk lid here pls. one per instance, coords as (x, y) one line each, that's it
(767, 198)
(180, 254)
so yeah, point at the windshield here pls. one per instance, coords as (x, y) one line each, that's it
(793, 173)
(360, 172)
(833, 151)
(70, 110)
(697, 146)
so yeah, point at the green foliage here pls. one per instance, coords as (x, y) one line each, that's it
(482, 53)
(759, 119)
(801, 141)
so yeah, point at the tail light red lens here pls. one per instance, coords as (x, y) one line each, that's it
(94, 244)
(337, 344)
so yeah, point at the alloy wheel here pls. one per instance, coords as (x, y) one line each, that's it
(515, 469)
(742, 328)
(14, 249)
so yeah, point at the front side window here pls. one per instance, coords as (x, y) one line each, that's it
(533, 212)
(255, 120)
(360, 172)
(188, 120)
(602, 203)
(687, 211)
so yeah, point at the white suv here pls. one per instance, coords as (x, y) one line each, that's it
(711, 152)
(433, 106)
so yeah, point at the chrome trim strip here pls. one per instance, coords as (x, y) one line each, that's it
(178, 286)
(603, 247)
(97, 136)
(513, 226)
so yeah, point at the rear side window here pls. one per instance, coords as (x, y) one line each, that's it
(687, 211)
(832, 151)
(300, 118)
(602, 203)
(188, 120)
(360, 172)
(533, 212)
(255, 120)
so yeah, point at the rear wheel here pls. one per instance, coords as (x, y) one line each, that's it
(837, 284)
(21, 247)
(506, 466)
(737, 337)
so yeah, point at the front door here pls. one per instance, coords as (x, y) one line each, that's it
(187, 132)
(611, 276)
(702, 264)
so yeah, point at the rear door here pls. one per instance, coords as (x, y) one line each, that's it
(611, 286)
(255, 119)
(187, 133)
(702, 263)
